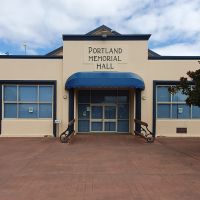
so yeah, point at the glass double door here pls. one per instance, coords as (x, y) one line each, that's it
(103, 111)
(103, 118)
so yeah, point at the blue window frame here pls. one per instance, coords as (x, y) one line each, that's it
(28, 101)
(173, 106)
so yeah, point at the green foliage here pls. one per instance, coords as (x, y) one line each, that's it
(189, 86)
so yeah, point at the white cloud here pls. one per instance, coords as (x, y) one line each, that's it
(180, 49)
(41, 23)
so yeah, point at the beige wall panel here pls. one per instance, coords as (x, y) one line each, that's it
(73, 56)
(168, 128)
(27, 128)
(30, 69)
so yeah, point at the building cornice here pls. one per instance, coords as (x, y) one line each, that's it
(107, 37)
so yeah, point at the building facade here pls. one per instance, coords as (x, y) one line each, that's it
(102, 79)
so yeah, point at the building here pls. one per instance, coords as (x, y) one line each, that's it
(102, 79)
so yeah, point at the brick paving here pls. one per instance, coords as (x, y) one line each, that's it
(100, 167)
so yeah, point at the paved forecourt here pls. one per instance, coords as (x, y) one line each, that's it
(100, 167)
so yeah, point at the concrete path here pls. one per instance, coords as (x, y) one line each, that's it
(99, 167)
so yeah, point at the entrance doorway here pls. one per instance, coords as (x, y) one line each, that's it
(103, 118)
(103, 111)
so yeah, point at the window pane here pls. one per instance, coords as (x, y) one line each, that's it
(28, 93)
(83, 126)
(179, 97)
(10, 93)
(97, 112)
(10, 110)
(84, 111)
(84, 96)
(123, 126)
(195, 112)
(123, 111)
(97, 126)
(45, 110)
(110, 112)
(103, 96)
(28, 110)
(163, 94)
(123, 96)
(163, 111)
(180, 111)
(45, 93)
(110, 126)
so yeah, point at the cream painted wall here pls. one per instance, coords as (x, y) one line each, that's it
(27, 128)
(168, 128)
(32, 69)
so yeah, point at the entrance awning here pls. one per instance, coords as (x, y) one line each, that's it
(104, 80)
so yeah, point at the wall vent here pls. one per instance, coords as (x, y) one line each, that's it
(181, 130)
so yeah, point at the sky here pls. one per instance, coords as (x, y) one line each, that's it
(39, 24)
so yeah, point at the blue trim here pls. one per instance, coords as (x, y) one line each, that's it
(174, 58)
(104, 79)
(109, 37)
(138, 110)
(168, 82)
(29, 57)
(54, 107)
(33, 82)
(154, 109)
(71, 107)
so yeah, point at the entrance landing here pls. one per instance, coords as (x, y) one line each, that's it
(100, 167)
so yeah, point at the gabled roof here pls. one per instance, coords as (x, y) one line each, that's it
(103, 28)
(152, 53)
(99, 31)
(55, 51)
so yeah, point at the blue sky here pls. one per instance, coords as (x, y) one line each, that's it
(174, 24)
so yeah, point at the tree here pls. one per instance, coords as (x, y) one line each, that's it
(189, 86)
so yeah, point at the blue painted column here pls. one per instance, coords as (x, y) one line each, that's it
(71, 105)
(138, 109)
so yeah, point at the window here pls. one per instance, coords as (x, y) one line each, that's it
(28, 101)
(173, 106)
